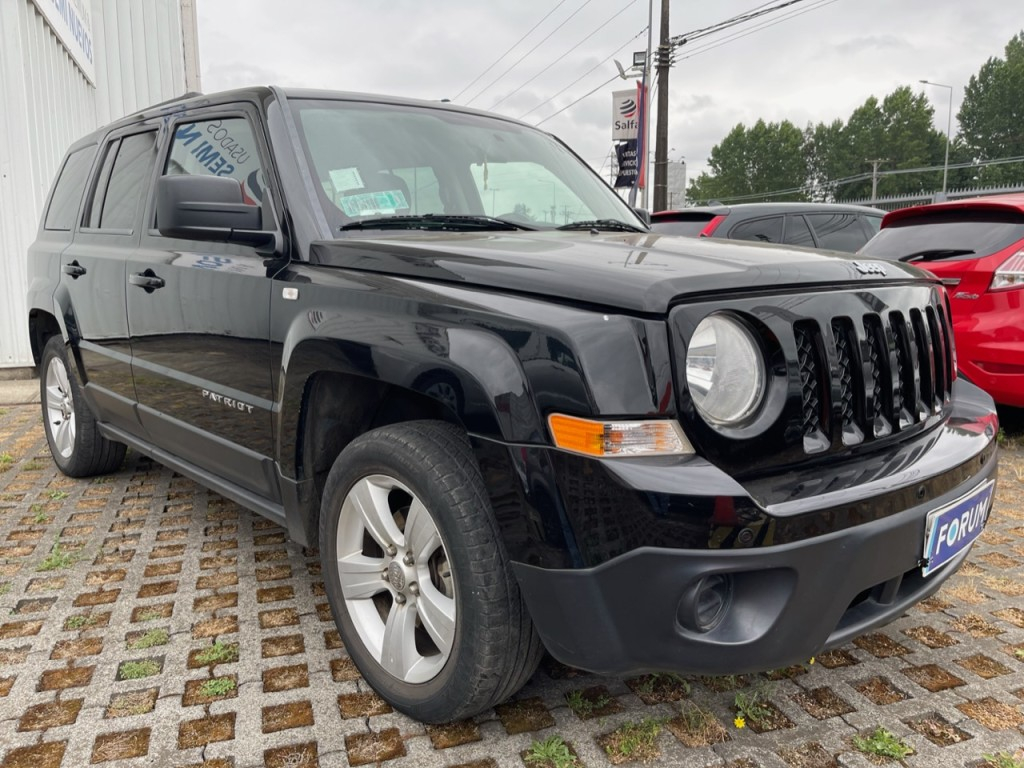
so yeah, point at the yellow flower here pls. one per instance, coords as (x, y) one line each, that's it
(740, 722)
(811, 661)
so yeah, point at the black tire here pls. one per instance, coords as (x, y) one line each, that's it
(77, 447)
(493, 654)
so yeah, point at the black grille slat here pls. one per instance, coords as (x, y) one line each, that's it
(813, 385)
(939, 353)
(849, 375)
(905, 393)
(880, 383)
(925, 356)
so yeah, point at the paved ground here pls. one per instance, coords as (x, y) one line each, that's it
(147, 621)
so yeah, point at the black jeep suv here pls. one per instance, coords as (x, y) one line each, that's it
(434, 344)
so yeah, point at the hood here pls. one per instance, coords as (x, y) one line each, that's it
(642, 272)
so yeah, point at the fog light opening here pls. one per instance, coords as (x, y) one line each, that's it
(706, 602)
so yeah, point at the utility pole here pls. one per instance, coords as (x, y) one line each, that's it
(874, 178)
(661, 138)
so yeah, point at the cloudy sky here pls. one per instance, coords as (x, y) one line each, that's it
(815, 61)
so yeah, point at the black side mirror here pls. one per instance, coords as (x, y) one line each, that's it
(208, 208)
(644, 214)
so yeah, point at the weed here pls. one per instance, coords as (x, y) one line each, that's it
(150, 614)
(649, 682)
(80, 622)
(149, 639)
(698, 721)
(552, 752)
(883, 744)
(1019, 653)
(218, 653)
(217, 686)
(35, 465)
(584, 707)
(102, 480)
(58, 495)
(134, 670)
(5, 460)
(634, 740)
(5, 588)
(1004, 760)
(750, 705)
(57, 559)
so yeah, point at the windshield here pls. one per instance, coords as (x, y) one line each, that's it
(424, 166)
(956, 235)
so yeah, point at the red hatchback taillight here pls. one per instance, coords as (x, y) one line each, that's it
(1010, 273)
(711, 226)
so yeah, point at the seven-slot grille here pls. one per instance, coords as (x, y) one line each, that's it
(891, 369)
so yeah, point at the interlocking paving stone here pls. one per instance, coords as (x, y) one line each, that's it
(233, 660)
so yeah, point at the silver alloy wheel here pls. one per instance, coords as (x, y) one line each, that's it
(396, 578)
(60, 407)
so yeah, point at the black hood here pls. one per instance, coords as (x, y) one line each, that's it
(642, 272)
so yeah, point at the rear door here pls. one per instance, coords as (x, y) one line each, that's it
(93, 270)
(199, 314)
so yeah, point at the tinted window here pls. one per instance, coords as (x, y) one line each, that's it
(982, 233)
(797, 232)
(838, 231)
(67, 194)
(132, 168)
(219, 147)
(92, 212)
(874, 223)
(767, 230)
(690, 226)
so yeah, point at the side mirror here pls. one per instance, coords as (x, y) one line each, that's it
(208, 208)
(644, 214)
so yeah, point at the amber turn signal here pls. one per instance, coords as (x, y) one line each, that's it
(661, 437)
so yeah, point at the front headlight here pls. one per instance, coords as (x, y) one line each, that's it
(724, 370)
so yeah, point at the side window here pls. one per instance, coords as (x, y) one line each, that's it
(127, 167)
(768, 230)
(797, 232)
(67, 193)
(838, 231)
(223, 146)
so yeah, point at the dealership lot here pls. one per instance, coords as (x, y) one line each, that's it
(147, 621)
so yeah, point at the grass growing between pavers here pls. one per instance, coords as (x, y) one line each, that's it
(882, 743)
(552, 752)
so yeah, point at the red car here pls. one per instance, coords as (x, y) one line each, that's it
(976, 247)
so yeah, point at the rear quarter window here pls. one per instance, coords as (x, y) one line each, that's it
(67, 192)
(767, 230)
(689, 227)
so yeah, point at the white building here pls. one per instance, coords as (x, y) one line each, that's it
(66, 68)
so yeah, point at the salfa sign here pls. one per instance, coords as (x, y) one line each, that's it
(71, 21)
(625, 115)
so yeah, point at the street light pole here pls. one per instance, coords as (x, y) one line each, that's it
(949, 128)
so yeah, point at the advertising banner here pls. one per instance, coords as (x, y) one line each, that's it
(625, 154)
(625, 115)
(71, 21)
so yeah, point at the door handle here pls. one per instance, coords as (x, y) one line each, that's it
(74, 269)
(147, 280)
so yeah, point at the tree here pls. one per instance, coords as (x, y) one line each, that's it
(992, 114)
(749, 161)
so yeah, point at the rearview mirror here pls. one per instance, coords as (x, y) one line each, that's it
(208, 208)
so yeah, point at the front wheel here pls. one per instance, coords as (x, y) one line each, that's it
(417, 577)
(76, 444)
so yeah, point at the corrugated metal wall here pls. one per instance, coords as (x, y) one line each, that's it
(46, 103)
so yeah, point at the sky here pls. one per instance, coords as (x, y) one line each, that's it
(813, 62)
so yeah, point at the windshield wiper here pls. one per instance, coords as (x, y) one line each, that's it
(429, 221)
(935, 254)
(614, 224)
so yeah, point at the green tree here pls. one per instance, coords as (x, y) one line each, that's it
(991, 116)
(766, 157)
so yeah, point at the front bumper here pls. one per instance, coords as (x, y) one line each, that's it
(817, 574)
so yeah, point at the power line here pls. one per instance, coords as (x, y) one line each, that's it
(592, 69)
(506, 53)
(754, 13)
(574, 103)
(566, 53)
(525, 55)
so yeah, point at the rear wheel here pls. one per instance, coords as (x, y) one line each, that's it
(76, 444)
(417, 577)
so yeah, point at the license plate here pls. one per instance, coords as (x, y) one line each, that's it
(951, 530)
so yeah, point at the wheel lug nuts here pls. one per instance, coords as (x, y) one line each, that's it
(399, 598)
(384, 575)
(414, 588)
(408, 558)
(392, 550)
